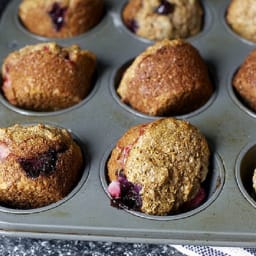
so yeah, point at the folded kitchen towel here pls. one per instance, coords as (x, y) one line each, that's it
(192, 250)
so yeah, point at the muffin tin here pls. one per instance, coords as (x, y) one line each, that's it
(226, 218)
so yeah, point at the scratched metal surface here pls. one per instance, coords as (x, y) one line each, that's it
(227, 218)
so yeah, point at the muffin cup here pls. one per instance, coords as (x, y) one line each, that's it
(237, 98)
(114, 83)
(89, 32)
(206, 24)
(72, 193)
(222, 17)
(27, 112)
(213, 185)
(245, 165)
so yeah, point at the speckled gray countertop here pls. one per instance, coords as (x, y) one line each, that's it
(25, 246)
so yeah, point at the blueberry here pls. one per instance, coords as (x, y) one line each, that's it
(132, 25)
(57, 14)
(165, 8)
(42, 164)
(130, 194)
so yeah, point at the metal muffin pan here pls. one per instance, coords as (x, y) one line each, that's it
(226, 218)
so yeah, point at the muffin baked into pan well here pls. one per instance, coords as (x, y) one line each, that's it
(60, 18)
(240, 17)
(166, 160)
(168, 78)
(244, 81)
(163, 19)
(47, 76)
(40, 165)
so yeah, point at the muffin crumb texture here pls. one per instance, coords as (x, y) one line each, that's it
(168, 78)
(39, 165)
(47, 76)
(163, 19)
(60, 18)
(167, 160)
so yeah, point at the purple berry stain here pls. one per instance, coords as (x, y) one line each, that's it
(129, 195)
(132, 25)
(57, 14)
(42, 164)
(165, 8)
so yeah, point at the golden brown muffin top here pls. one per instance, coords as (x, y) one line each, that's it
(25, 141)
(47, 76)
(168, 158)
(60, 18)
(169, 77)
(72, 53)
(244, 80)
(39, 165)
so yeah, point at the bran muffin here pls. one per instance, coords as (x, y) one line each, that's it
(244, 80)
(240, 17)
(39, 165)
(168, 78)
(47, 77)
(163, 19)
(159, 166)
(60, 18)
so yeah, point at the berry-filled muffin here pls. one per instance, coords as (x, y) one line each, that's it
(60, 18)
(158, 167)
(240, 17)
(244, 81)
(47, 76)
(39, 165)
(168, 78)
(163, 19)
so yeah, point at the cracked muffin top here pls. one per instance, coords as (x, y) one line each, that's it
(160, 165)
(169, 78)
(39, 165)
(47, 76)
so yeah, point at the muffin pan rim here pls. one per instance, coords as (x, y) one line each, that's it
(206, 227)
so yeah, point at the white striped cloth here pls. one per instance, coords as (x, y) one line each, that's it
(192, 250)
